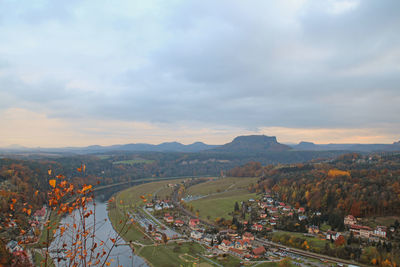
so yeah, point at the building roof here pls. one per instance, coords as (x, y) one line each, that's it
(41, 212)
(238, 251)
(194, 221)
(259, 250)
(242, 242)
(360, 227)
(226, 242)
(247, 234)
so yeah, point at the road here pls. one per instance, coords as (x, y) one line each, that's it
(307, 253)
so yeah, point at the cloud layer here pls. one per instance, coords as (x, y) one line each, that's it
(207, 66)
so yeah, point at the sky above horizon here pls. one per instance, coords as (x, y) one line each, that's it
(78, 73)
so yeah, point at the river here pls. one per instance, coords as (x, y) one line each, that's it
(121, 255)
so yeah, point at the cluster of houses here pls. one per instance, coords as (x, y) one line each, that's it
(275, 209)
(226, 241)
(380, 232)
(270, 210)
(365, 232)
(241, 246)
(36, 222)
(159, 205)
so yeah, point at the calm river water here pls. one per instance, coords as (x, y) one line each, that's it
(122, 255)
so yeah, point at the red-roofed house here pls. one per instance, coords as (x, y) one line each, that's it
(301, 210)
(363, 231)
(237, 252)
(40, 214)
(248, 236)
(193, 223)
(257, 227)
(350, 220)
(242, 244)
(259, 251)
(169, 219)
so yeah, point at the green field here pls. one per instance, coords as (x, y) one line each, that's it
(132, 196)
(314, 242)
(386, 221)
(164, 192)
(174, 254)
(134, 161)
(222, 204)
(268, 264)
(220, 185)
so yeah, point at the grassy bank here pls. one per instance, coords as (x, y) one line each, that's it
(131, 232)
(220, 185)
(222, 204)
(54, 222)
(291, 238)
(184, 254)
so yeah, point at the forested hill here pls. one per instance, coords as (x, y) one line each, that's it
(351, 184)
(253, 143)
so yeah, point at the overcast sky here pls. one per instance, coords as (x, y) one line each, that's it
(107, 72)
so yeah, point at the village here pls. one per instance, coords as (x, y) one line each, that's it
(243, 238)
(36, 222)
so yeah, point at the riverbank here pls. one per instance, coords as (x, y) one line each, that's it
(182, 252)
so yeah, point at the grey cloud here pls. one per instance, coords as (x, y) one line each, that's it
(221, 63)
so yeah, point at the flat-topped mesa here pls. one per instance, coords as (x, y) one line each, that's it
(253, 143)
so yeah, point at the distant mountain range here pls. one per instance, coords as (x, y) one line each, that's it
(309, 146)
(241, 144)
(163, 147)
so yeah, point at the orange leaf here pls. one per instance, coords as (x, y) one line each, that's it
(49, 171)
(14, 200)
(52, 182)
(63, 184)
(36, 193)
(29, 211)
(86, 187)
